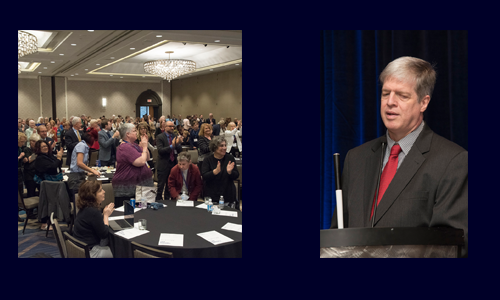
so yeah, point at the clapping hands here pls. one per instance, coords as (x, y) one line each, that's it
(230, 167)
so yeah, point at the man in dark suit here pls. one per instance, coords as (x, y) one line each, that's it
(210, 119)
(42, 130)
(424, 182)
(168, 147)
(107, 144)
(73, 137)
(216, 129)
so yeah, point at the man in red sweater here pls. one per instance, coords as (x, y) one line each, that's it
(185, 176)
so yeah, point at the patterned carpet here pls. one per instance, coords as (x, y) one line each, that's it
(34, 242)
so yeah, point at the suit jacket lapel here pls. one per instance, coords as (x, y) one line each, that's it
(406, 171)
(372, 171)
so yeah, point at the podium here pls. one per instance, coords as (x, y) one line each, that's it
(392, 242)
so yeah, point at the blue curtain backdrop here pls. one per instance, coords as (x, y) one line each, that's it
(351, 62)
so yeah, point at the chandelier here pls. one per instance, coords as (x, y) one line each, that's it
(169, 68)
(26, 44)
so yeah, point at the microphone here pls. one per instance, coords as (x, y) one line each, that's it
(378, 183)
(338, 191)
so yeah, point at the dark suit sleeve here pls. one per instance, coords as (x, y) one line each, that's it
(105, 143)
(163, 146)
(345, 190)
(71, 141)
(451, 202)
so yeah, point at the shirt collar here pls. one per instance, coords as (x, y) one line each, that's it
(407, 142)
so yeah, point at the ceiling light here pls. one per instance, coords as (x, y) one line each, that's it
(76, 73)
(112, 58)
(237, 64)
(61, 54)
(158, 36)
(98, 64)
(110, 75)
(26, 44)
(52, 62)
(86, 69)
(39, 72)
(169, 68)
(132, 48)
(91, 30)
(73, 44)
(121, 77)
(72, 75)
(217, 41)
(45, 67)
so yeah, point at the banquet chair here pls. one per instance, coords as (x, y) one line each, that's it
(56, 195)
(194, 156)
(76, 248)
(59, 237)
(28, 204)
(155, 155)
(94, 155)
(109, 195)
(141, 251)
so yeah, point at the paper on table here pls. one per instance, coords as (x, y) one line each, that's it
(171, 239)
(232, 226)
(227, 213)
(131, 233)
(116, 218)
(203, 205)
(214, 237)
(105, 178)
(185, 203)
(122, 209)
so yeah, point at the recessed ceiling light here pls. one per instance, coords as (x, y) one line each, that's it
(237, 64)
(98, 64)
(112, 58)
(45, 67)
(91, 30)
(61, 54)
(39, 72)
(211, 69)
(158, 36)
(132, 48)
(110, 75)
(72, 75)
(143, 76)
(76, 73)
(86, 69)
(121, 77)
(217, 41)
(73, 44)
(52, 62)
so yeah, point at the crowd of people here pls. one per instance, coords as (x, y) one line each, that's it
(128, 144)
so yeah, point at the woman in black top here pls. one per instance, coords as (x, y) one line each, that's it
(219, 172)
(90, 226)
(204, 138)
(47, 166)
(29, 167)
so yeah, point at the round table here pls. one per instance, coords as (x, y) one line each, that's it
(188, 221)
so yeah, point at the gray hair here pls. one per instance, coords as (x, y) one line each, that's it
(125, 128)
(216, 142)
(184, 156)
(414, 70)
(76, 120)
(35, 137)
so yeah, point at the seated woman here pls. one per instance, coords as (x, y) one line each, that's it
(186, 139)
(90, 226)
(131, 165)
(79, 161)
(184, 177)
(219, 172)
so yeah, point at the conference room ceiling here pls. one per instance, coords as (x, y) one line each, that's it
(119, 55)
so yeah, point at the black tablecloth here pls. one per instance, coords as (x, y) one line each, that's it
(181, 220)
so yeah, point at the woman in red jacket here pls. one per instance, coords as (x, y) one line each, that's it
(94, 131)
(184, 177)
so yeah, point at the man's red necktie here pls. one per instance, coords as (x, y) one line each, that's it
(389, 171)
